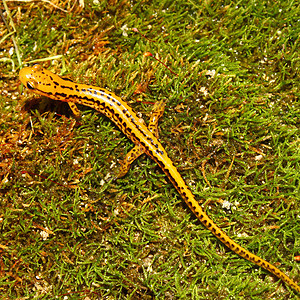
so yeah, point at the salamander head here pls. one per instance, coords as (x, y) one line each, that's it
(41, 81)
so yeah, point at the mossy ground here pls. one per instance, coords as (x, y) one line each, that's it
(231, 126)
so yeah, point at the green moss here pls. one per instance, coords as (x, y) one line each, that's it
(231, 125)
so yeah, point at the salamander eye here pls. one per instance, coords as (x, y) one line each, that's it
(30, 86)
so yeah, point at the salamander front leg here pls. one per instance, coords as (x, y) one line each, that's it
(75, 110)
(156, 114)
(138, 150)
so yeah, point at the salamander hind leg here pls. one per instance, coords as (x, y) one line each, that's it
(130, 157)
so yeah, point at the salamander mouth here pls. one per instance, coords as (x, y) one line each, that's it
(25, 75)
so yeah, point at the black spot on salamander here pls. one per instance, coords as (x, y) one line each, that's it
(79, 97)
(111, 110)
(66, 79)
(166, 170)
(67, 87)
(60, 94)
(119, 103)
(95, 92)
(97, 102)
(50, 94)
(55, 82)
(124, 110)
(83, 90)
(91, 91)
(157, 151)
(142, 142)
(128, 129)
